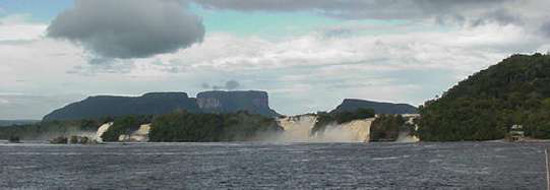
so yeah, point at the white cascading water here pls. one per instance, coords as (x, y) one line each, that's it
(102, 129)
(140, 135)
(298, 129)
(354, 131)
(406, 137)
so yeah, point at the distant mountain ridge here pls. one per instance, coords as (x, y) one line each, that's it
(165, 102)
(351, 105)
(103, 106)
(4, 123)
(157, 103)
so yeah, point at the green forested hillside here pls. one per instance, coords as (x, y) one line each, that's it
(488, 103)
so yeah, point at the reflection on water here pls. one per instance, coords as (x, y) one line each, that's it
(491, 165)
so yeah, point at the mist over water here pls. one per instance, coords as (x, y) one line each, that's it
(406, 138)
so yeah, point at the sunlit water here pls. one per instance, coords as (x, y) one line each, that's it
(489, 165)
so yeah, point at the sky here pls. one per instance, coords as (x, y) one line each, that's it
(309, 55)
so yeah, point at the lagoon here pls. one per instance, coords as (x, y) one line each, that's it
(259, 165)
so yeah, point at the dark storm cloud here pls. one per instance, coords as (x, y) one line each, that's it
(361, 9)
(129, 28)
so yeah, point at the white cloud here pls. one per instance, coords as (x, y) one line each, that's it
(15, 28)
(469, 12)
(4, 101)
(302, 73)
(466, 49)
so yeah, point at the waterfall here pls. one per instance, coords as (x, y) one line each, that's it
(102, 129)
(140, 135)
(298, 129)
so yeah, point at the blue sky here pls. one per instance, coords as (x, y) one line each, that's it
(257, 23)
(309, 55)
(41, 11)
(263, 23)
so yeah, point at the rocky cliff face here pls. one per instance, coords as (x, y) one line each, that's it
(102, 106)
(379, 107)
(255, 102)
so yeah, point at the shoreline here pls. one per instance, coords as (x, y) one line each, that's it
(40, 142)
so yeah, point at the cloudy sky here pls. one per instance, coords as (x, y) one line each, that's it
(309, 55)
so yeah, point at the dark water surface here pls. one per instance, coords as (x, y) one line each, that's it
(465, 165)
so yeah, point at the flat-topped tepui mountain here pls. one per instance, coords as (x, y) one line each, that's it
(255, 102)
(103, 106)
(165, 102)
(351, 105)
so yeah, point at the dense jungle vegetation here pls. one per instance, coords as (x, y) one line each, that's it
(515, 91)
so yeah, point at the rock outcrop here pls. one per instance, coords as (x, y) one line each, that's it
(351, 105)
(113, 106)
(255, 102)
